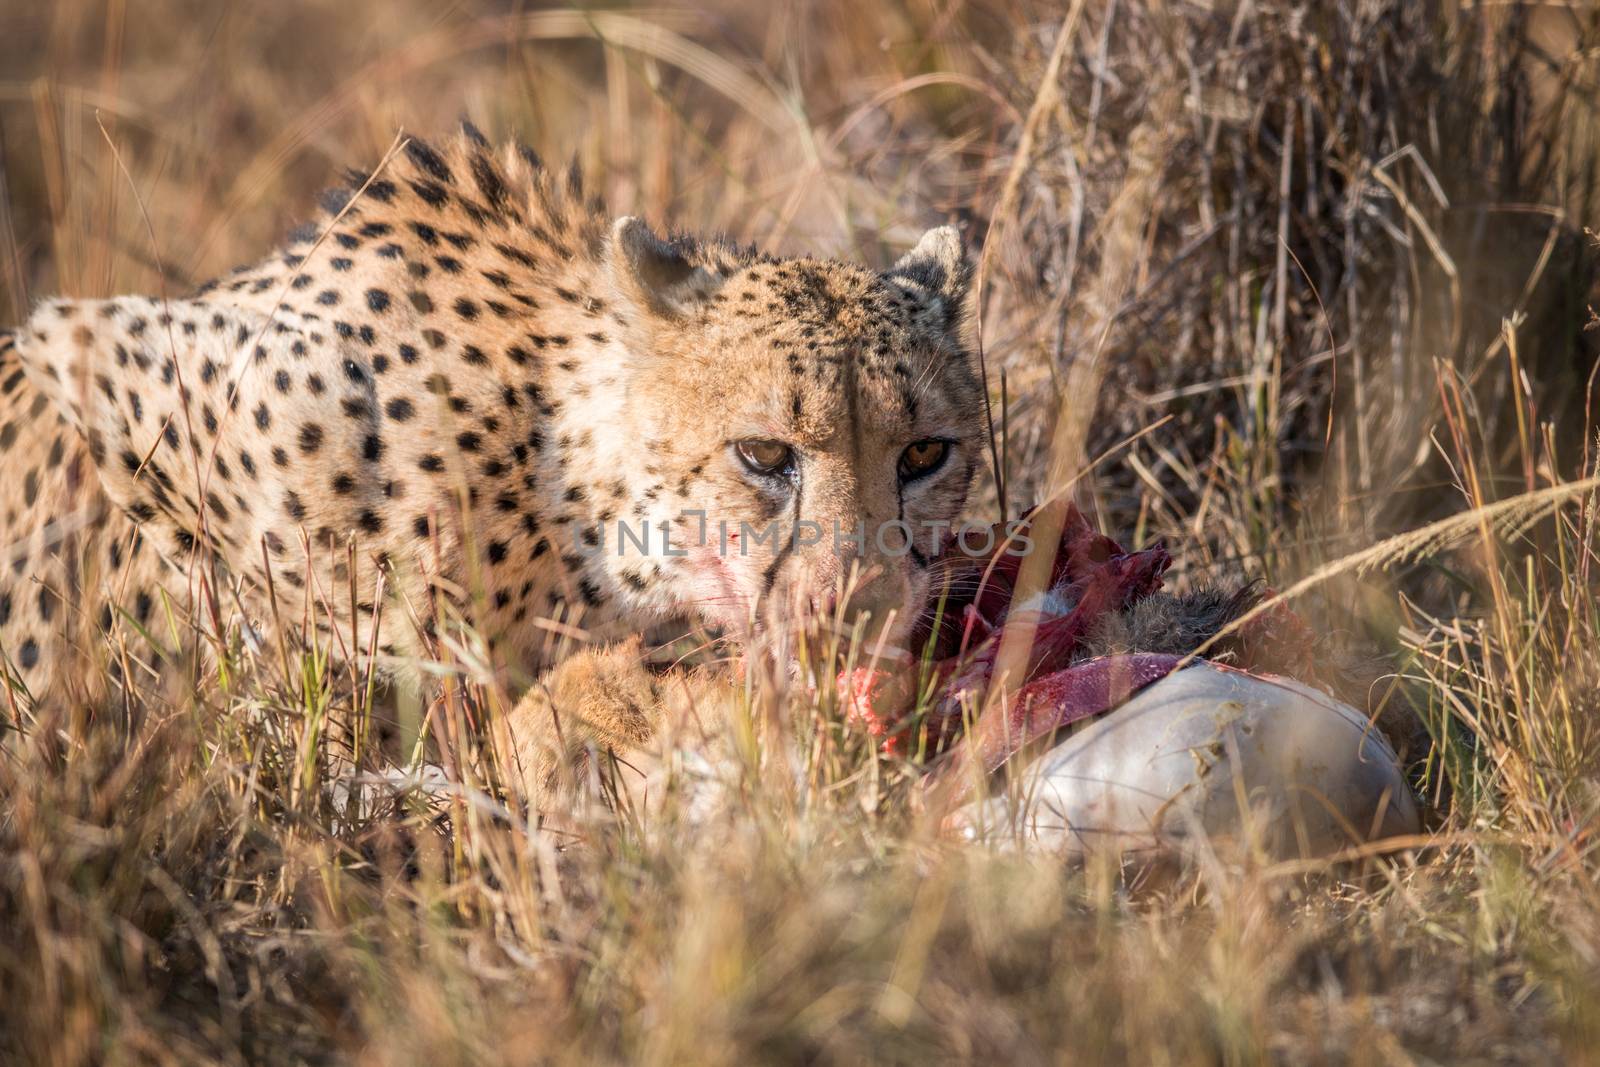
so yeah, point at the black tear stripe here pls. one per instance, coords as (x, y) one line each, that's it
(770, 575)
(900, 515)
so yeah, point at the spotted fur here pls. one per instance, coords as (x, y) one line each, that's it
(464, 376)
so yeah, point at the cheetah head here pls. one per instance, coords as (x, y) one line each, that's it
(809, 430)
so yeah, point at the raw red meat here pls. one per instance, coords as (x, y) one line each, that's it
(1091, 575)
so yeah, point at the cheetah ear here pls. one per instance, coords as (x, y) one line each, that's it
(938, 269)
(658, 276)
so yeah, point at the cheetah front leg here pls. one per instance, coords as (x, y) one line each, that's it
(599, 701)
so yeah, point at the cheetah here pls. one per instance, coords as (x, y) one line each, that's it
(526, 417)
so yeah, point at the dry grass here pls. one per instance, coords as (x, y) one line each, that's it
(1338, 246)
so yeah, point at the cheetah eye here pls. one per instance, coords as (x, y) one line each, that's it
(765, 457)
(922, 458)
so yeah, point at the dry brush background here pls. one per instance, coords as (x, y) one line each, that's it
(1324, 263)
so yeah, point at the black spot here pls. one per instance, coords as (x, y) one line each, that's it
(497, 551)
(293, 505)
(408, 354)
(488, 181)
(431, 194)
(399, 409)
(310, 437)
(468, 442)
(377, 299)
(427, 159)
(343, 484)
(263, 416)
(431, 463)
(515, 254)
(473, 356)
(282, 381)
(28, 654)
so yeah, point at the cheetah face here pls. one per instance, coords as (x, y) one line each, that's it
(810, 430)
